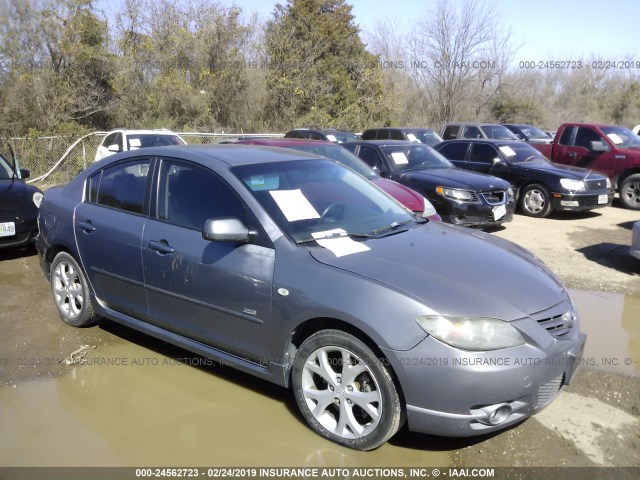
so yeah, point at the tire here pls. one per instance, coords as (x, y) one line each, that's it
(361, 411)
(630, 192)
(535, 201)
(71, 292)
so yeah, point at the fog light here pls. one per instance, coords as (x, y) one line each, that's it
(496, 414)
(569, 203)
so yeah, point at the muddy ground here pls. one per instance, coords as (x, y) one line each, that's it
(172, 413)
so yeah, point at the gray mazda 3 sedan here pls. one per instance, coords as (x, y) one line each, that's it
(297, 270)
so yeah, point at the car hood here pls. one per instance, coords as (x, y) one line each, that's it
(13, 194)
(454, 177)
(406, 196)
(454, 271)
(564, 171)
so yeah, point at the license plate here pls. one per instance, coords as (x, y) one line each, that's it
(499, 212)
(7, 229)
(602, 199)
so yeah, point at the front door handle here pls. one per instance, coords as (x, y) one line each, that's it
(161, 246)
(572, 154)
(87, 227)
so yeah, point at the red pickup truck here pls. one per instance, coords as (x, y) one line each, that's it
(609, 149)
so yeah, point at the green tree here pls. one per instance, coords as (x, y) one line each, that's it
(319, 71)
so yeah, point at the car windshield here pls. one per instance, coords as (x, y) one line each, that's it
(318, 198)
(415, 157)
(498, 132)
(622, 137)
(533, 132)
(521, 152)
(6, 172)
(341, 137)
(424, 136)
(341, 155)
(144, 140)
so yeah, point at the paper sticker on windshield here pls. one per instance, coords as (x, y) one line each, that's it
(332, 138)
(411, 137)
(294, 205)
(508, 151)
(399, 158)
(340, 246)
(615, 138)
(135, 143)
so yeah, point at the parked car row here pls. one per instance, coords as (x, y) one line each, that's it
(294, 268)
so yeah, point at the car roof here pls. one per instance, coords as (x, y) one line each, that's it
(384, 143)
(494, 141)
(402, 128)
(230, 154)
(320, 130)
(473, 124)
(286, 142)
(147, 131)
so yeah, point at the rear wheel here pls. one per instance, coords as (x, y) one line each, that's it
(344, 391)
(71, 292)
(630, 192)
(535, 201)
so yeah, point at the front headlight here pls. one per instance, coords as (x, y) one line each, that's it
(37, 199)
(471, 333)
(456, 194)
(608, 182)
(571, 184)
(428, 208)
(510, 192)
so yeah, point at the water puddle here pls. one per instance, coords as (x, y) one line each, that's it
(132, 406)
(612, 323)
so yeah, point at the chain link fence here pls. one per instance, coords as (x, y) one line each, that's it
(56, 160)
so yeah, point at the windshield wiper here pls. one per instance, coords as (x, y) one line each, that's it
(393, 226)
(334, 235)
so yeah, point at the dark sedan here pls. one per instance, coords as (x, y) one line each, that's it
(295, 269)
(542, 186)
(19, 204)
(406, 196)
(460, 197)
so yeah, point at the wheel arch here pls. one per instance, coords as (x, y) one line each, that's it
(313, 325)
(623, 175)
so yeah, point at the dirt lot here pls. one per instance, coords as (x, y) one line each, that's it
(594, 422)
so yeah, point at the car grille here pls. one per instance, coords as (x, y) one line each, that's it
(494, 197)
(557, 326)
(591, 202)
(548, 391)
(595, 184)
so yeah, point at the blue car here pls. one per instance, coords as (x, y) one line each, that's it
(294, 268)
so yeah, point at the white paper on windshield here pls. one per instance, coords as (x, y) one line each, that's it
(332, 138)
(399, 158)
(294, 205)
(134, 142)
(508, 151)
(411, 137)
(615, 138)
(340, 246)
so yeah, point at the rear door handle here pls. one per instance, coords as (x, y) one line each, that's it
(161, 246)
(86, 226)
(572, 154)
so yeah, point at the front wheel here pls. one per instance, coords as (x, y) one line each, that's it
(630, 192)
(71, 292)
(535, 201)
(344, 391)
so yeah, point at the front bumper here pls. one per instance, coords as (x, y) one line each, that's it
(473, 214)
(455, 393)
(26, 230)
(578, 202)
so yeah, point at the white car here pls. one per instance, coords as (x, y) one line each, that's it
(635, 240)
(123, 140)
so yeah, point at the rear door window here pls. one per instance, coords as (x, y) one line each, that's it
(483, 153)
(471, 132)
(123, 186)
(455, 150)
(451, 132)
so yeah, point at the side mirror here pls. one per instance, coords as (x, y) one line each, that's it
(115, 148)
(599, 146)
(227, 230)
(498, 161)
(24, 173)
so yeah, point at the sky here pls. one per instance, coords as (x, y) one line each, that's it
(544, 30)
